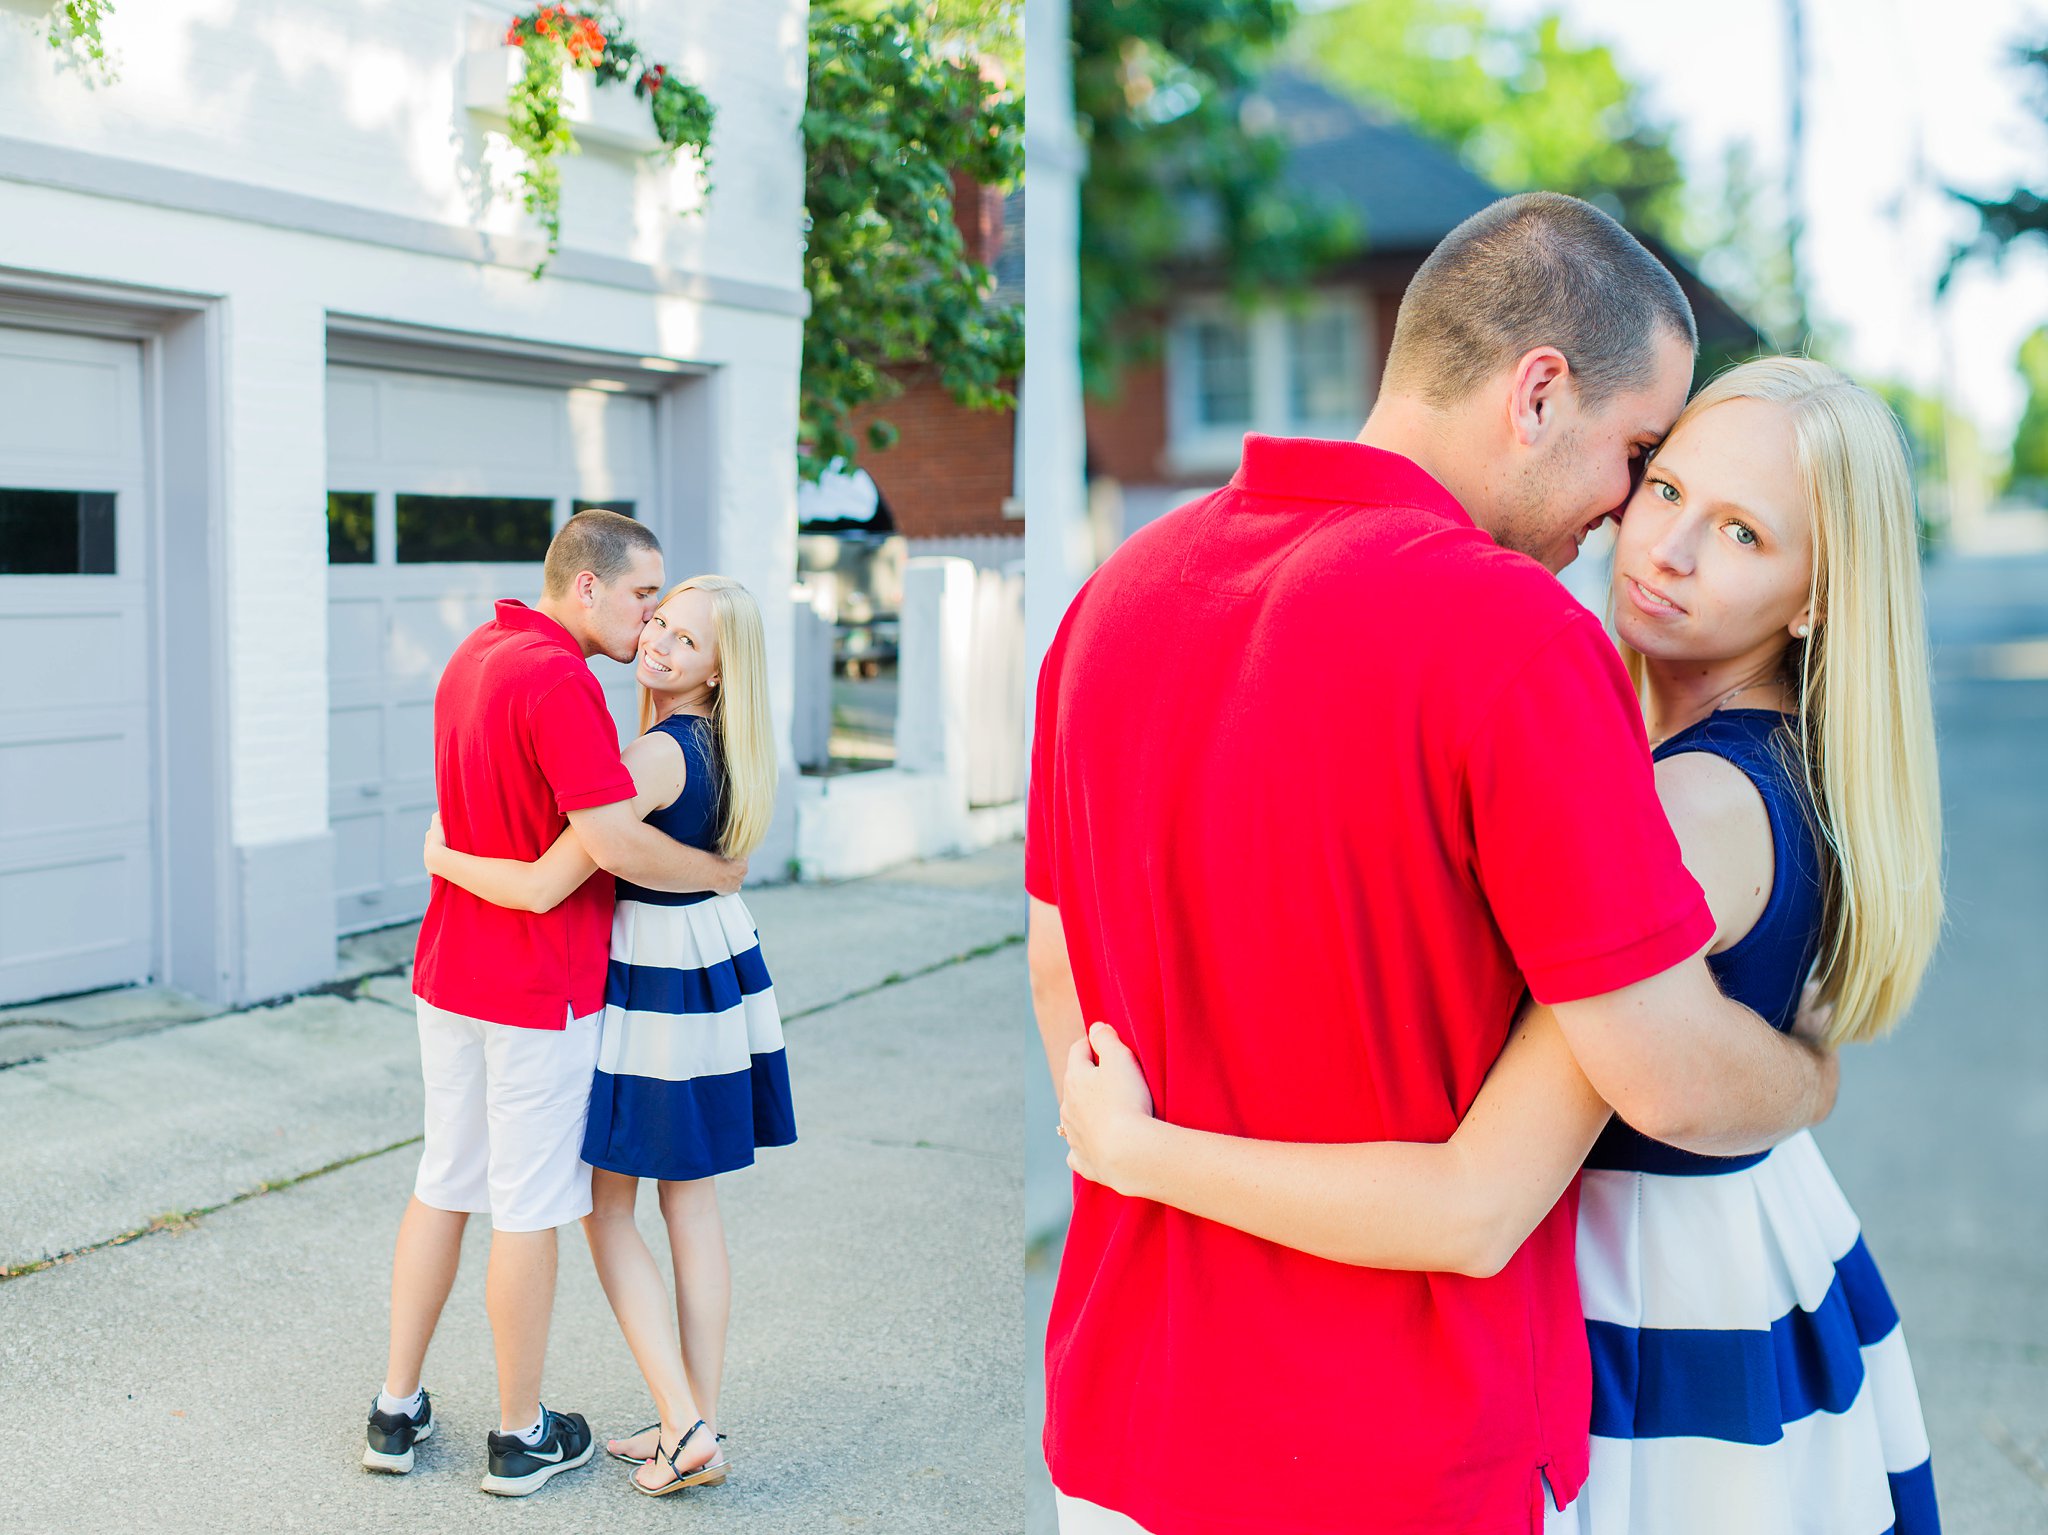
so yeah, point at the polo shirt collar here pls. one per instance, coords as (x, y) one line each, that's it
(1318, 469)
(514, 614)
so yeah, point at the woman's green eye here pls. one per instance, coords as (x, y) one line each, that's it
(1743, 535)
(1666, 485)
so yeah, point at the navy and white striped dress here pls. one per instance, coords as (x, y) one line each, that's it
(1749, 1373)
(691, 1075)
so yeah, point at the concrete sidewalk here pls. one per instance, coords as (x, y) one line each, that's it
(213, 1372)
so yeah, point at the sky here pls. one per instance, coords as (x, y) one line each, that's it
(1904, 97)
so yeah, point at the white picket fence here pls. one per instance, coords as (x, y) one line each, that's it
(810, 727)
(960, 712)
(996, 684)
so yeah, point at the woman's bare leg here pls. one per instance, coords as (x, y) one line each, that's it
(696, 1239)
(633, 1284)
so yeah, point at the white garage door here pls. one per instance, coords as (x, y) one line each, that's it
(442, 495)
(78, 669)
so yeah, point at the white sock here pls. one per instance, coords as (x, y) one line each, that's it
(404, 1406)
(531, 1436)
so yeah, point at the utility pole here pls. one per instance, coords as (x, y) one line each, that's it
(1056, 531)
(1795, 166)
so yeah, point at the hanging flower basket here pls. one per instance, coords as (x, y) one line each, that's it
(565, 74)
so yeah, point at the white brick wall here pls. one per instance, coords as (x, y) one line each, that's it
(360, 103)
(357, 104)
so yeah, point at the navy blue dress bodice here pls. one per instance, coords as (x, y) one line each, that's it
(694, 817)
(1766, 969)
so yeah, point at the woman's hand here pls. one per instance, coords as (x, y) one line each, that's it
(437, 840)
(1105, 1109)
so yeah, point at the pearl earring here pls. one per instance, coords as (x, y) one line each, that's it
(1803, 630)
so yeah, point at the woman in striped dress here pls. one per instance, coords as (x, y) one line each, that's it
(691, 1075)
(1749, 1373)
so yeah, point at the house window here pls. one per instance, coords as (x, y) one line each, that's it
(1322, 369)
(351, 527)
(1292, 369)
(480, 529)
(56, 533)
(623, 508)
(1221, 356)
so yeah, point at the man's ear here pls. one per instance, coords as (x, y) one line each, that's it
(585, 588)
(1539, 381)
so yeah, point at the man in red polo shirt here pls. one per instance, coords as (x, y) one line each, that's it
(508, 1000)
(1328, 770)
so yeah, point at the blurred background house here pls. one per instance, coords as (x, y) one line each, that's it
(1302, 363)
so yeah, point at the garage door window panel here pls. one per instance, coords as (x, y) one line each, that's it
(351, 527)
(497, 530)
(56, 533)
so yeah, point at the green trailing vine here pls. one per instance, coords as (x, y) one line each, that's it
(554, 39)
(897, 103)
(72, 29)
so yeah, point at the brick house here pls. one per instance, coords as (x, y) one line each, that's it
(950, 481)
(1307, 368)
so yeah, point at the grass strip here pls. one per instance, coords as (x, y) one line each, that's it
(185, 1220)
(898, 977)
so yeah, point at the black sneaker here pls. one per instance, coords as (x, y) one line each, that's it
(518, 1468)
(393, 1434)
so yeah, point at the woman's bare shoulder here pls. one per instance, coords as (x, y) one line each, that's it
(658, 766)
(1724, 833)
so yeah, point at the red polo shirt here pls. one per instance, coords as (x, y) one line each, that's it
(521, 737)
(1323, 779)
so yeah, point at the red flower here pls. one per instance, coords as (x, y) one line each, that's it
(585, 38)
(512, 36)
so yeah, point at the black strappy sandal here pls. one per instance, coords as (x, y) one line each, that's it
(641, 1460)
(709, 1474)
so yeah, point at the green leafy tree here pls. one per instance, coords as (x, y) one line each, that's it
(898, 101)
(1738, 228)
(2022, 213)
(1524, 105)
(2029, 472)
(1944, 445)
(1177, 167)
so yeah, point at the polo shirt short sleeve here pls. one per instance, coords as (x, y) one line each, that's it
(1039, 879)
(575, 745)
(1578, 862)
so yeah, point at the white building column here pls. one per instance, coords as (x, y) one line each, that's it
(1056, 534)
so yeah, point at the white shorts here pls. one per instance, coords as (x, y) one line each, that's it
(1079, 1517)
(505, 1113)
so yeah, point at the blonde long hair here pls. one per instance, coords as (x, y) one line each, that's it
(1866, 715)
(739, 712)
